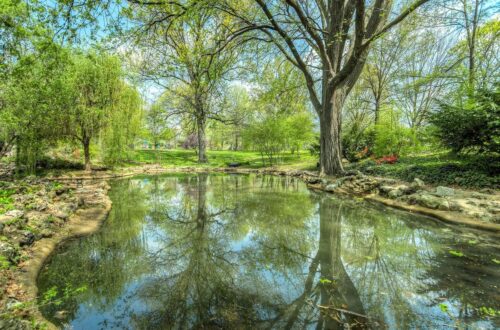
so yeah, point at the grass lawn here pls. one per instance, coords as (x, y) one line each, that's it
(222, 158)
(474, 171)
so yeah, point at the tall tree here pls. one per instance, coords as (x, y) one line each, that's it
(183, 53)
(96, 80)
(328, 41)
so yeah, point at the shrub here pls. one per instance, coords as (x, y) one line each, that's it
(473, 125)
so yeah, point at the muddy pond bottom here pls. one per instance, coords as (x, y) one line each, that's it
(262, 252)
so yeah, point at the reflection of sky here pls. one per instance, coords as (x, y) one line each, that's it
(394, 284)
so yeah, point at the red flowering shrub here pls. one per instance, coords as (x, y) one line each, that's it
(391, 159)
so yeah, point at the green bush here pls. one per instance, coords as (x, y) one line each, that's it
(473, 125)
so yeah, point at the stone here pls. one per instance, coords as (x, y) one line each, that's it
(331, 187)
(406, 190)
(14, 214)
(62, 190)
(8, 251)
(395, 193)
(385, 189)
(26, 238)
(445, 191)
(60, 214)
(313, 180)
(427, 200)
(418, 184)
(41, 206)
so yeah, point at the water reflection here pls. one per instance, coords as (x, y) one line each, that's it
(232, 251)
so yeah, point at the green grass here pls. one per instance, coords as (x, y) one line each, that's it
(6, 201)
(247, 159)
(474, 171)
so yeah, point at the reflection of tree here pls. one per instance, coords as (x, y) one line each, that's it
(199, 288)
(340, 293)
(333, 301)
(108, 259)
(239, 251)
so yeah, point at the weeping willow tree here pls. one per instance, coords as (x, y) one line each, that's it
(124, 125)
(102, 104)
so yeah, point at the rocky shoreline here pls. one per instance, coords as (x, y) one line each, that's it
(478, 209)
(43, 212)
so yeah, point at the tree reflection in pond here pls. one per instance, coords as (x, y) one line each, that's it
(235, 251)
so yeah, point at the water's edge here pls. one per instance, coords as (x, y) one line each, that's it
(313, 181)
(84, 222)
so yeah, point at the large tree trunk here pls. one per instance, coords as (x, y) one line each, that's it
(330, 140)
(202, 152)
(86, 152)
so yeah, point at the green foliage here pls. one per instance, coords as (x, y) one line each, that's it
(4, 263)
(488, 311)
(456, 253)
(125, 121)
(6, 201)
(356, 141)
(391, 137)
(479, 171)
(471, 126)
(274, 134)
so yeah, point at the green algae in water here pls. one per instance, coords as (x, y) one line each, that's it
(237, 251)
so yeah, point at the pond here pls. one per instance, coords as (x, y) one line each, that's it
(248, 251)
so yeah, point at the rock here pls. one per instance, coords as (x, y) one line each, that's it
(427, 200)
(8, 251)
(444, 205)
(26, 238)
(44, 233)
(385, 189)
(406, 190)
(15, 324)
(14, 214)
(353, 173)
(417, 184)
(395, 193)
(313, 180)
(61, 314)
(331, 187)
(479, 195)
(62, 190)
(445, 191)
(41, 206)
(60, 214)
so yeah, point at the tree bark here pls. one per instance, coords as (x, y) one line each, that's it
(202, 155)
(86, 152)
(330, 129)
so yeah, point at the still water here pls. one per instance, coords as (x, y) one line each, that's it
(252, 252)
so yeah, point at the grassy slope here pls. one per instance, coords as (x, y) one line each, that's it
(475, 171)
